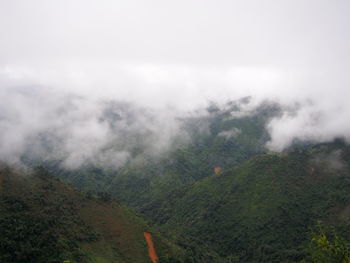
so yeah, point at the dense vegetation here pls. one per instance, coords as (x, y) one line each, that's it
(264, 209)
(329, 246)
(42, 220)
(261, 207)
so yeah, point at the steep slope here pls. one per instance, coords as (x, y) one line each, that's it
(262, 210)
(43, 220)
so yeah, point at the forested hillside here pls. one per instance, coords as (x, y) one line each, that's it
(42, 220)
(180, 131)
(225, 198)
(264, 209)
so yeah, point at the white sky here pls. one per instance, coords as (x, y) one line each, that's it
(184, 53)
(151, 51)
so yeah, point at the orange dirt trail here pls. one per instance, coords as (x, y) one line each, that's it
(151, 250)
(1, 182)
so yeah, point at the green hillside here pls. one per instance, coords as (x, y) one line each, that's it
(264, 209)
(43, 220)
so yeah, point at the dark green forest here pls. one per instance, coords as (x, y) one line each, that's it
(262, 207)
(43, 220)
(223, 197)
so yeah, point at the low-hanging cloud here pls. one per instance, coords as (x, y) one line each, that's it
(84, 81)
(44, 125)
(320, 119)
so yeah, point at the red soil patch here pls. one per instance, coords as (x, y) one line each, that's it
(217, 170)
(151, 250)
(2, 176)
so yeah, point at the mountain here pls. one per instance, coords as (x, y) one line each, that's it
(219, 138)
(43, 220)
(223, 197)
(263, 209)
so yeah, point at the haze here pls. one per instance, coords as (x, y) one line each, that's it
(171, 57)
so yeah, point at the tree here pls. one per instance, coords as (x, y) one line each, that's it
(329, 248)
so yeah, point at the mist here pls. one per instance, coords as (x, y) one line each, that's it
(87, 82)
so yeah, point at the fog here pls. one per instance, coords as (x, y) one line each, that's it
(43, 125)
(63, 63)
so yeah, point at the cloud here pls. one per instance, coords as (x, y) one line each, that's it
(40, 124)
(319, 120)
(62, 63)
(230, 133)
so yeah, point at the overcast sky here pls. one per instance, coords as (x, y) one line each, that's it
(183, 54)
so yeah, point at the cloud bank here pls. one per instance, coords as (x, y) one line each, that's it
(40, 124)
(64, 63)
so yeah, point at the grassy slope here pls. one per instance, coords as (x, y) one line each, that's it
(42, 220)
(262, 210)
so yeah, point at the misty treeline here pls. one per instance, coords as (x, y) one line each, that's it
(42, 124)
(39, 124)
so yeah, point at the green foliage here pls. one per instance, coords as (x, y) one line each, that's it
(42, 220)
(35, 228)
(106, 197)
(328, 248)
(260, 211)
